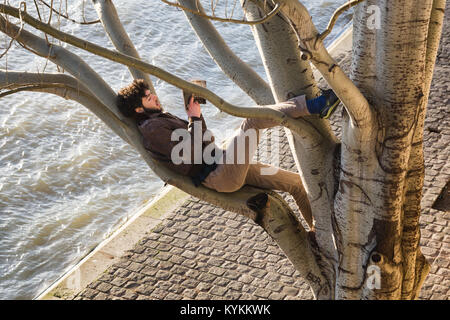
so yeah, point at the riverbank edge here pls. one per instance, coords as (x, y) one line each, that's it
(110, 250)
(147, 218)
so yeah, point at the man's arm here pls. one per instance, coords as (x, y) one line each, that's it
(194, 113)
(196, 121)
(193, 109)
(157, 136)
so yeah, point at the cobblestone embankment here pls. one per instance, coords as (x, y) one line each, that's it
(203, 252)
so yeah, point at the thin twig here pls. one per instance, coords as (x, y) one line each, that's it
(234, 7)
(226, 5)
(213, 8)
(51, 13)
(15, 37)
(66, 16)
(46, 37)
(23, 45)
(31, 87)
(336, 15)
(40, 18)
(275, 10)
(84, 16)
(244, 112)
(7, 48)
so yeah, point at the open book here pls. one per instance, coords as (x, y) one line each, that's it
(187, 94)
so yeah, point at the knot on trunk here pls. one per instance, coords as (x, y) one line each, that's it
(383, 277)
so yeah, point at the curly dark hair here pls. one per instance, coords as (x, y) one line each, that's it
(130, 97)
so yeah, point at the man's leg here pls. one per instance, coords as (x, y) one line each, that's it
(240, 149)
(231, 175)
(282, 180)
(230, 178)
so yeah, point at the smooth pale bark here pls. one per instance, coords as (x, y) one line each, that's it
(363, 68)
(236, 69)
(109, 18)
(67, 60)
(400, 91)
(353, 218)
(372, 221)
(277, 209)
(244, 112)
(373, 173)
(276, 217)
(313, 152)
(415, 267)
(313, 48)
(12, 79)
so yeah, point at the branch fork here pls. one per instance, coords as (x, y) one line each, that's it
(312, 48)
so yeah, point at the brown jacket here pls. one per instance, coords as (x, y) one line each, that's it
(157, 130)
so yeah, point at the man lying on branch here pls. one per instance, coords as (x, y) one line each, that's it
(225, 172)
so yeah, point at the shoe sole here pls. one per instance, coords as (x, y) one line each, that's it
(331, 109)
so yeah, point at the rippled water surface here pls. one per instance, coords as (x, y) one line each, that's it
(66, 181)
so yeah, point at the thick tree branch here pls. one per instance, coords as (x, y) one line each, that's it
(363, 68)
(415, 263)
(199, 12)
(289, 75)
(67, 60)
(119, 37)
(10, 78)
(277, 219)
(33, 87)
(399, 90)
(354, 230)
(236, 202)
(236, 69)
(433, 39)
(66, 87)
(314, 49)
(244, 112)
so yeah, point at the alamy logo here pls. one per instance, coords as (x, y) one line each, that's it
(374, 20)
(373, 277)
(194, 147)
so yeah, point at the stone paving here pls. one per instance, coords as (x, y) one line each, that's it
(203, 252)
(435, 224)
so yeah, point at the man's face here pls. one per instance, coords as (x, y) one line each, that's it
(150, 101)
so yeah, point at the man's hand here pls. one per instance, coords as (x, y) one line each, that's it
(193, 109)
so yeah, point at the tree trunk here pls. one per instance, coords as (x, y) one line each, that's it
(377, 205)
(291, 76)
(365, 244)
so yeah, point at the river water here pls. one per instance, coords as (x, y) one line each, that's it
(66, 181)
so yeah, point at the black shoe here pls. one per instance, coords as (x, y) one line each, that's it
(332, 101)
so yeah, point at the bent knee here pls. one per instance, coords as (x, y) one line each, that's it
(227, 185)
